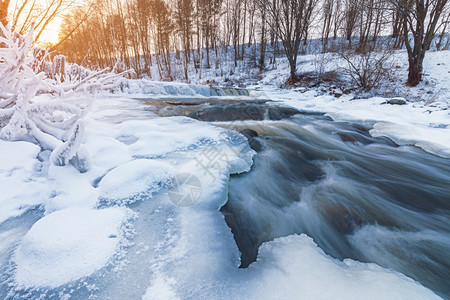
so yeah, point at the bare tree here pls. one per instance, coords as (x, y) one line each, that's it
(163, 26)
(350, 17)
(420, 23)
(289, 21)
(327, 8)
(445, 22)
(28, 13)
(184, 10)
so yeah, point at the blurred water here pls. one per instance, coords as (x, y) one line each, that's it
(358, 197)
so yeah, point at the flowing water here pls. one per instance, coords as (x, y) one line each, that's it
(357, 196)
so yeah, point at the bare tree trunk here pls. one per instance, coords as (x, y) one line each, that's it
(4, 11)
(262, 44)
(444, 30)
(420, 19)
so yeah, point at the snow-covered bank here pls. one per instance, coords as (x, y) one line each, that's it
(114, 232)
(415, 124)
(424, 121)
(135, 156)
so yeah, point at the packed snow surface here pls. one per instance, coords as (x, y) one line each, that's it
(18, 156)
(19, 189)
(67, 245)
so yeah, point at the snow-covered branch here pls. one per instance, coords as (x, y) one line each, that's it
(55, 124)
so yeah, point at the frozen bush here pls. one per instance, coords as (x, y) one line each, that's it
(54, 124)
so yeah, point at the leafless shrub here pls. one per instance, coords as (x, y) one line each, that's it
(322, 63)
(367, 69)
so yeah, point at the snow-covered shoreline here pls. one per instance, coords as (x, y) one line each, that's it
(412, 124)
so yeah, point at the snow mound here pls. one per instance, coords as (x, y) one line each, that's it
(134, 178)
(295, 265)
(20, 190)
(70, 189)
(107, 152)
(18, 155)
(68, 245)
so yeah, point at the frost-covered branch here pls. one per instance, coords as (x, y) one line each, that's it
(56, 123)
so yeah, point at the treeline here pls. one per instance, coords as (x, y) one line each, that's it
(145, 33)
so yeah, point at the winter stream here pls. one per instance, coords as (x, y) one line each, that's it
(359, 198)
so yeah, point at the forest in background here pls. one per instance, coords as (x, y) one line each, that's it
(185, 37)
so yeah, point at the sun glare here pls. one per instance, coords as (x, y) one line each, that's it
(50, 34)
(25, 12)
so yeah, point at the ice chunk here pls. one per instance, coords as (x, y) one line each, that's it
(164, 135)
(433, 140)
(68, 245)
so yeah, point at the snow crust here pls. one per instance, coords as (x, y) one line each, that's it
(133, 158)
(67, 245)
